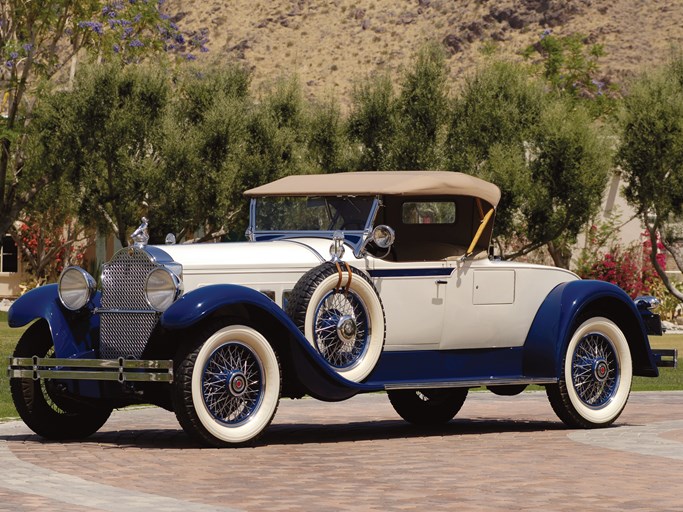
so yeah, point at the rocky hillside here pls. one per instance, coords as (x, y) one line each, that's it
(330, 44)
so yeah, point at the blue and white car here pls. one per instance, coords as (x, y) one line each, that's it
(349, 283)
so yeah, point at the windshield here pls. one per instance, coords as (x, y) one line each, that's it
(311, 213)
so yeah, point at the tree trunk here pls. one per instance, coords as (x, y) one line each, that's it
(561, 253)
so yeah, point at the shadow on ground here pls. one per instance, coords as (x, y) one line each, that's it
(305, 433)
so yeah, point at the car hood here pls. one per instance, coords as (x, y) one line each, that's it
(235, 256)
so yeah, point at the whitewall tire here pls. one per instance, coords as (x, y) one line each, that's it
(228, 388)
(344, 323)
(596, 377)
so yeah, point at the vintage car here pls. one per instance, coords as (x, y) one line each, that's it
(349, 283)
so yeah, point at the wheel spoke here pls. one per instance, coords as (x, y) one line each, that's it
(335, 307)
(595, 370)
(223, 402)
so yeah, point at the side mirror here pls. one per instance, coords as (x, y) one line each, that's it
(383, 237)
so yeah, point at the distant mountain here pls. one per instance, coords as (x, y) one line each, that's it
(330, 44)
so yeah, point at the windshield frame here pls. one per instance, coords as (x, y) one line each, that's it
(353, 237)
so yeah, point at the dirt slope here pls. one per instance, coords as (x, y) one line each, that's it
(330, 44)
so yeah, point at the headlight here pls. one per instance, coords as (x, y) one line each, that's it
(75, 288)
(162, 288)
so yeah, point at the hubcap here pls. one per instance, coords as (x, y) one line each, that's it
(600, 370)
(347, 328)
(237, 383)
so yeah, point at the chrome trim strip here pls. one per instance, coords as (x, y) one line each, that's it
(98, 311)
(122, 370)
(475, 383)
(86, 375)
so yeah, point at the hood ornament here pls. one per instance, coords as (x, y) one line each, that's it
(140, 236)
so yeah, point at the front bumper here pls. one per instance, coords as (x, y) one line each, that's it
(121, 370)
(666, 357)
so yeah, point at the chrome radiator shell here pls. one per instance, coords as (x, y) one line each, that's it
(127, 321)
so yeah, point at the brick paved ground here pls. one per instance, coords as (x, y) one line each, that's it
(499, 454)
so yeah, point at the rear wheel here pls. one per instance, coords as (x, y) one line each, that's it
(227, 385)
(427, 406)
(596, 376)
(41, 403)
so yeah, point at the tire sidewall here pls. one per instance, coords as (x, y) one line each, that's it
(270, 369)
(611, 410)
(368, 296)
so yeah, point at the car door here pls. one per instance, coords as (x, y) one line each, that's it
(414, 295)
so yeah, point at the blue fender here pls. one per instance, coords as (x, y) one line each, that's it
(66, 326)
(553, 325)
(311, 369)
(203, 302)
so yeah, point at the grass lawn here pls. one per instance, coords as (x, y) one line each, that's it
(8, 339)
(669, 379)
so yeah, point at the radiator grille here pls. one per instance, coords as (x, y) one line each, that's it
(123, 280)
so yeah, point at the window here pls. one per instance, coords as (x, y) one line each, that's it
(8, 255)
(312, 213)
(431, 212)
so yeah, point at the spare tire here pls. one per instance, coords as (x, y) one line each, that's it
(341, 316)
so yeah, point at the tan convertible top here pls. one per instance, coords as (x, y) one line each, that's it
(395, 183)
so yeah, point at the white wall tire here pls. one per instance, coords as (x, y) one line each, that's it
(228, 387)
(596, 375)
(347, 327)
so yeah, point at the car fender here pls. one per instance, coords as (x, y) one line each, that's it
(65, 326)
(311, 369)
(553, 324)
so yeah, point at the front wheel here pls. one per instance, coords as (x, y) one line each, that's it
(427, 406)
(42, 405)
(595, 381)
(227, 385)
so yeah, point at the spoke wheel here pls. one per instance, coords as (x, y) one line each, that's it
(232, 383)
(42, 405)
(227, 385)
(428, 406)
(596, 376)
(343, 322)
(341, 329)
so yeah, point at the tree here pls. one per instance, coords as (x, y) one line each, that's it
(102, 137)
(372, 122)
(651, 159)
(422, 109)
(203, 146)
(542, 149)
(40, 43)
(404, 130)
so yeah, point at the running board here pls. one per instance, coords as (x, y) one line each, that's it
(475, 383)
(671, 355)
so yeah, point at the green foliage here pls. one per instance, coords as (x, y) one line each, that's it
(372, 122)
(107, 131)
(569, 170)
(651, 157)
(651, 150)
(422, 111)
(542, 150)
(404, 130)
(38, 40)
(327, 140)
(570, 65)
(499, 105)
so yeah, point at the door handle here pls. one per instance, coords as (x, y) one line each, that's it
(441, 281)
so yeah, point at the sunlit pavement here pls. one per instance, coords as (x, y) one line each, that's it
(500, 453)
